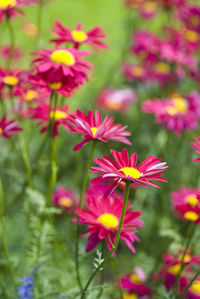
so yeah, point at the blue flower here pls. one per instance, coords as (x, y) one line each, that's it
(25, 291)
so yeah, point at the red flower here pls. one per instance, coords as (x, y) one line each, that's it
(8, 127)
(93, 127)
(42, 112)
(196, 146)
(103, 218)
(65, 198)
(125, 169)
(10, 78)
(77, 37)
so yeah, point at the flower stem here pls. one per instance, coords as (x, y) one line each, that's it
(116, 271)
(5, 248)
(12, 41)
(126, 195)
(79, 207)
(102, 272)
(39, 20)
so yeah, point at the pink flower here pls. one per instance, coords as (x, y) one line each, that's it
(60, 115)
(78, 37)
(103, 218)
(116, 99)
(5, 52)
(93, 128)
(187, 203)
(196, 146)
(65, 198)
(8, 127)
(177, 113)
(11, 78)
(125, 169)
(135, 72)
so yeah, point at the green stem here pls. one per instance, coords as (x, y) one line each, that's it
(116, 271)
(5, 248)
(126, 195)
(182, 295)
(182, 259)
(102, 272)
(39, 20)
(79, 207)
(25, 158)
(12, 40)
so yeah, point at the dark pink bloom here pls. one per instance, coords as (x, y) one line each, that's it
(5, 52)
(10, 78)
(65, 198)
(93, 128)
(8, 127)
(135, 283)
(190, 15)
(103, 217)
(77, 36)
(125, 169)
(177, 113)
(116, 99)
(135, 72)
(196, 146)
(148, 9)
(43, 113)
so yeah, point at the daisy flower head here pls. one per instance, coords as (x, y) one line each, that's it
(196, 146)
(176, 113)
(116, 99)
(194, 290)
(148, 9)
(65, 198)
(135, 72)
(8, 127)
(93, 127)
(186, 202)
(10, 78)
(43, 113)
(63, 65)
(78, 37)
(125, 169)
(103, 218)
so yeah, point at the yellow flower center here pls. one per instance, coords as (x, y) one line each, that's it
(180, 105)
(186, 258)
(7, 3)
(79, 36)
(191, 36)
(134, 278)
(11, 80)
(131, 171)
(194, 20)
(129, 296)
(175, 269)
(1, 131)
(94, 130)
(63, 57)
(55, 85)
(192, 200)
(190, 215)
(162, 68)
(65, 202)
(58, 114)
(196, 287)
(30, 95)
(149, 7)
(138, 71)
(108, 220)
(113, 105)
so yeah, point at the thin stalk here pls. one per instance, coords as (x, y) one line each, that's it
(126, 196)
(25, 158)
(182, 295)
(116, 271)
(5, 248)
(12, 40)
(79, 207)
(102, 272)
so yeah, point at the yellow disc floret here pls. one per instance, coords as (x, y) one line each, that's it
(192, 200)
(162, 68)
(129, 296)
(79, 36)
(191, 36)
(131, 171)
(58, 114)
(94, 130)
(149, 7)
(108, 220)
(196, 287)
(65, 202)
(7, 3)
(55, 85)
(63, 56)
(30, 95)
(11, 80)
(190, 215)
(134, 278)
(175, 269)
(1, 131)
(138, 71)
(179, 105)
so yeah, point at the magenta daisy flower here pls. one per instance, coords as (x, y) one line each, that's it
(125, 169)
(103, 218)
(11, 78)
(65, 198)
(196, 146)
(77, 36)
(93, 128)
(60, 115)
(8, 127)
